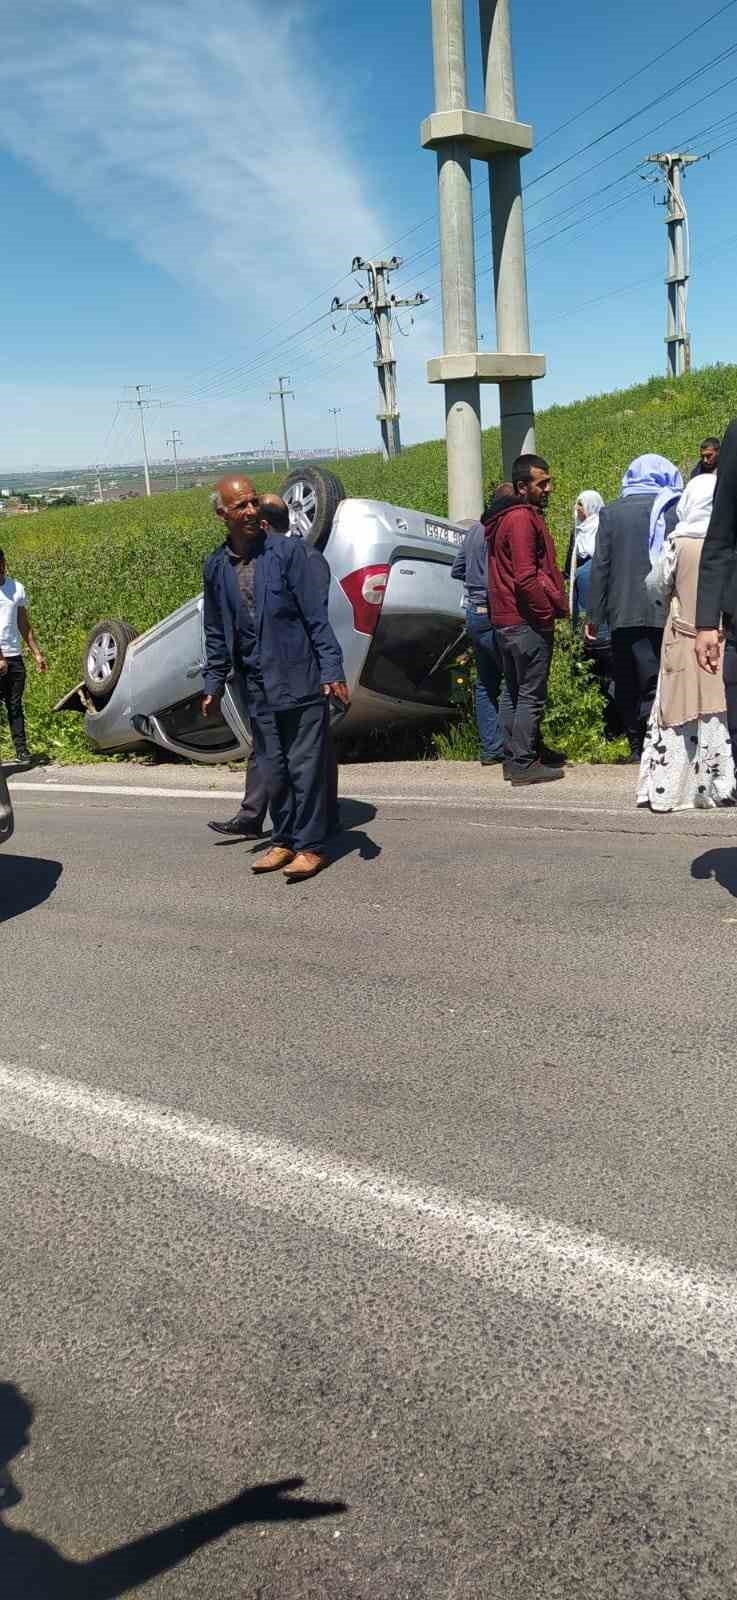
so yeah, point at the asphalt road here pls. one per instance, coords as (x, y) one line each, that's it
(415, 1183)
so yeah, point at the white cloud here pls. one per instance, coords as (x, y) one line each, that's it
(201, 138)
(208, 139)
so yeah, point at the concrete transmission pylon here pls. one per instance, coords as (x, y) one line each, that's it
(380, 306)
(460, 136)
(678, 261)
(142, 405)
(175, 441)
(282, 394)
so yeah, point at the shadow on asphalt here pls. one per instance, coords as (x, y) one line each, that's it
(351, 813)
(25, 882)
(352, 839)
(354, 811)
(720, 865)
(34, 1570)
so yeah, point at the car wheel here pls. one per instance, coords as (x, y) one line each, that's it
(313, 496)
(104, 655)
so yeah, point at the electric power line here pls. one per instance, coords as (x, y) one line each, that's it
(217, 377)
(624, 122)
(223, 379)
(654, 62)
(638, 141)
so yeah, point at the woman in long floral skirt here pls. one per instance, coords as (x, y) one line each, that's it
(687, 758)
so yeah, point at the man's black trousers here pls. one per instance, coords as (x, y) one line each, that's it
(636, 663)
(292, 751)
(12, 684)
(526, 658)
(255, 802)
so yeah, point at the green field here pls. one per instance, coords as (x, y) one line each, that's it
(140, 559)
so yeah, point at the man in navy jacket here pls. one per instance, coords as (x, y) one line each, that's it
(248, 822)
(265, 619)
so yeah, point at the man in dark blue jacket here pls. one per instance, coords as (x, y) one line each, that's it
(471, 568)
(248, 822)
(265, 619)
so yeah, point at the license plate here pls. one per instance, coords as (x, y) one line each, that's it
(443, 535)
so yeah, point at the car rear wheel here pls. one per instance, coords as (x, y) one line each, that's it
(104, 655)
(313, 496)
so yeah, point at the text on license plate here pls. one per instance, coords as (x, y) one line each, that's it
(444, 535)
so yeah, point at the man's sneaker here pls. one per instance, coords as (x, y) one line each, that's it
(537, 773)
(490, 761)
(23, 761)
(551, 758)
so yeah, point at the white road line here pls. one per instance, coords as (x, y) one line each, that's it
(134, 791)
(454, 802)
(529, 1257)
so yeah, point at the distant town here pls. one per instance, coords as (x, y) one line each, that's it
(24, 492)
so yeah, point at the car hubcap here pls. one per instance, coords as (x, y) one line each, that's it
(302, 502)
(101, 658)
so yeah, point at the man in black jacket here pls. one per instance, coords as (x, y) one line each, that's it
(716, 604)
(248, 822)
(618, 598)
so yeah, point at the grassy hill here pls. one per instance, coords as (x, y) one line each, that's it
(139, 559)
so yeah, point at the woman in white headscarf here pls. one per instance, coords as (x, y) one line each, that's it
(687, 758)
(581, 549)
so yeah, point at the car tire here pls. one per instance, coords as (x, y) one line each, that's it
(313, 496)
(104, 657)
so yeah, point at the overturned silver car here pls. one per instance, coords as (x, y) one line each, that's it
(395, 609)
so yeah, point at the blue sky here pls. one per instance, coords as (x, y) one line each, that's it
(185, 184)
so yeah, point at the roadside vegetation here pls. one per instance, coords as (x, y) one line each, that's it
(139, 559)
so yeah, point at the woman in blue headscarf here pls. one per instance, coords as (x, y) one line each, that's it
(618, 598)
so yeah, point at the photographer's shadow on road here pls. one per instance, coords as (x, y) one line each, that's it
(719, 865)
(31, 1569)
(25, 882)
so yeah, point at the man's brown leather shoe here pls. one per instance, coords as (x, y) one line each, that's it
(278, 856)
(305, 865)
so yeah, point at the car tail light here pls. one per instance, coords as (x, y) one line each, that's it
(366, 589)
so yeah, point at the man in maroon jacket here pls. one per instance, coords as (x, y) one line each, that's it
(526, 596)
